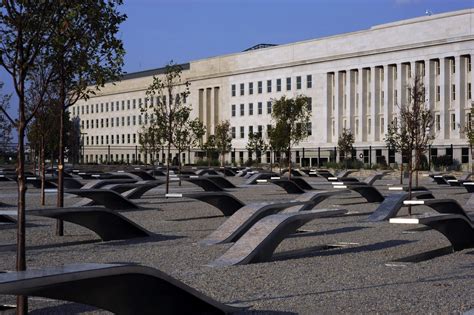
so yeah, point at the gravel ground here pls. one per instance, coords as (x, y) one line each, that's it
(358, 275)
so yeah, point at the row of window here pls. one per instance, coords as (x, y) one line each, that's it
(116, 122)
(110, 139)
(121, 105)
(269, 85)
(250, 108)
(260, 130)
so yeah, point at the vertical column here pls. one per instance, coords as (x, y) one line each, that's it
(337, 105)
(444, 82)
(201, 105)
(430, 86)
(327, 91)
(208, 111)
(350, 91)
(362, 104)
(460, 103)
(387, 108)
(399, 87)
(216, 105)
(374, 104)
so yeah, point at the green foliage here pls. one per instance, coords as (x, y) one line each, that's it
(345, 142)
(223, 139)
(256, 144)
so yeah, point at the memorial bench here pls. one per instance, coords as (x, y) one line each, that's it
(118, 288)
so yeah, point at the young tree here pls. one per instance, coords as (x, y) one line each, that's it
(345, 144)
(170, 93)
(5, 125)
(25, 35)
(414, 133)
(396, 141)
(223, 138)
(291, 117)
(73, 136)
(257, 144)
(210, 148)
(86, 54)
(468, 131)
(187, 133)
(149, 138)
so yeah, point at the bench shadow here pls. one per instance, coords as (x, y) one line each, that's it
(142, 240)
(332, 250)
(197, 218)
(333, 231)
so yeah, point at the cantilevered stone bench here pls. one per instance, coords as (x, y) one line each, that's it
(290, 186)
(204, 183)
(370, 193)
(352, 180)
(142, 174)
(446, 206)
(206, 172)
(121, 289)
(227, 172)
(469, 186)
(393, 203)
(260, 241)
(108, 198)
(458, 229)
(253, 180)
(99, 183)
(225, 202)
(107, 224)
(241, 221)
(220, 181)
(443, 179)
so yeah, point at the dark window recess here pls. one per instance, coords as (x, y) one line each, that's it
(464, 155)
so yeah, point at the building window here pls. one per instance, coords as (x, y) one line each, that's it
(464, 155)
(259, 87)
(288, 84)
(369, 126)
(242, 132)
(128, 138)
(128, 104)
(134, 138)
(259, 108)
(102, 123)
(250, 88)
(106, 123)
(298, 83)
(269, 107)
(453, 121)
(438, 93)
(242, 89)
(469, 91)
(259, 130)
(123, 121)
(437, 67)
(382, 123)
(453, 92)
(469, 64)
(310, 103)
(309, 128)
(269, 129)
(453, 66)
(233, 132)
(250, 130)
(134, 120)
(233, 89)
(278, 85)
(233, 110)
(309, 81)
(242, 109)
(250, 108)
(269, 86)
(356, 127)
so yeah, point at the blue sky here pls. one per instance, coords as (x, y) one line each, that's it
(183, 30)
(158, 31)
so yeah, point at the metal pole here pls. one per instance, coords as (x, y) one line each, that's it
(319, 157)
(189, 155)
(108, 154)
(429, 157)
(136, 154)
(370, 156)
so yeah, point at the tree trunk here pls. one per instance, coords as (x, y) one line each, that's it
(42, 167)
(410, 179)
(168, 168)
(22, 302)
(401, 172)
(60, 196)
(179, 167)
(289, 163)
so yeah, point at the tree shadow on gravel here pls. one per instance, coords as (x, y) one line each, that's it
(328, 232)
(196, 218)
(142, 240)
(12, 247)
(332, 250)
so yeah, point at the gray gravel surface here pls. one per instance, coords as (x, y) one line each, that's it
(359, 274)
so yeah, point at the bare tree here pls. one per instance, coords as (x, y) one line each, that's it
(169, 93)
(345, 144)
(223, 139)
(291, 117)
(468, 130)
(25, 34)
(414, 131)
